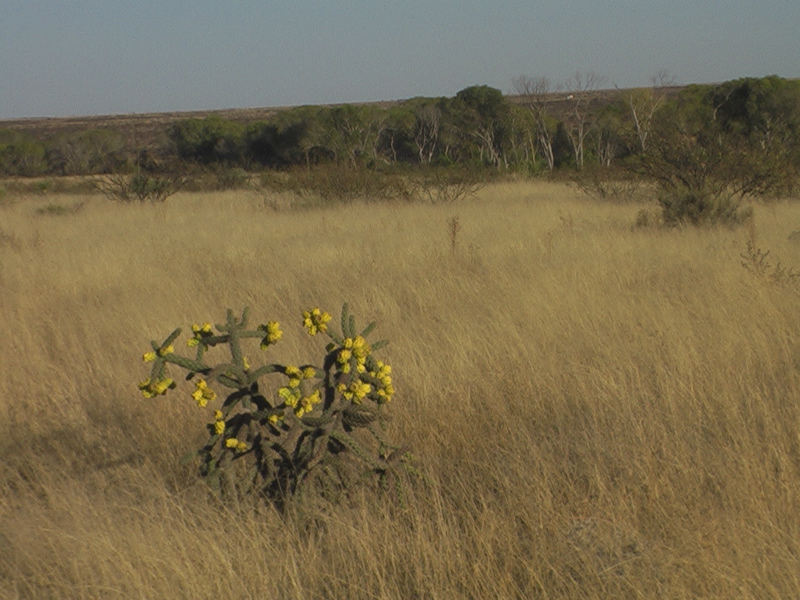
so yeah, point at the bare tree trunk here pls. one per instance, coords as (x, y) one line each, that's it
(581, 89)
(645, 103)
(538, 97)
(426, 132)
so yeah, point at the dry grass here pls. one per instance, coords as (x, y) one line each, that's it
(602, 412)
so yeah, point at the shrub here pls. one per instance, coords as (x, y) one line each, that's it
(448, 186)
(648, 218)
(757, 262)
(335, 183)
(318, 430)
(716, 146)
(700, 206)
(60, 210)
(601, 183)
(232, 179)
(140, 187)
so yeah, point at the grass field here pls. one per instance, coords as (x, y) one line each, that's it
(601, 411)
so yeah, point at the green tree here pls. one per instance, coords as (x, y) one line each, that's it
(537, 96)
(716, 145)
(209, 140)
(353, 132)
(581, 91)
(396, 143)
(87, 152)
(425, 127)
(21, 154)
(486, 117)
(304, 135)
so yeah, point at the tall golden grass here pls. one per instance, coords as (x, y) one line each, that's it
(600, 411)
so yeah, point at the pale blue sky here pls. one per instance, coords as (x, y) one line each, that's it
(86, 57)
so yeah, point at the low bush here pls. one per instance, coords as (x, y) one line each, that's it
(141, 187)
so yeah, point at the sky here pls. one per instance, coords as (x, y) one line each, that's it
(98, 57)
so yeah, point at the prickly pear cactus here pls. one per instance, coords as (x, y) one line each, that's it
(285, 430)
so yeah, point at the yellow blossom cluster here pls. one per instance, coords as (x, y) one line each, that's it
(307, 404)
(383, 374)
(273, 334)
(356, 391)
(202, 393)
(151, 389)
(200, 333)
(219, 423)
(296, 375)
(293, 398)
(234, 443)
(357, 348)
(151, 356)
(315, 321)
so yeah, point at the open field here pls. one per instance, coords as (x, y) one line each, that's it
(601, 411)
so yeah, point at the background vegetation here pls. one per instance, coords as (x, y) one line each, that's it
(702, 149)
(601, 410)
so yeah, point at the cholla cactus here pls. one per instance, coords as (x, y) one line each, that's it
(287, 429)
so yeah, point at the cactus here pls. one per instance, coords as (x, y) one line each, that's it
(319, 432)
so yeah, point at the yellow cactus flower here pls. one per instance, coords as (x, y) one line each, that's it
(275, 418)
(290, 396)
(161, 387)
(309, 373)
(274, 333)
(361, 348)
(315, 321)
(145, 388)
(383, 369)
(355, 392)
(151, 389)
(315, 398)
(344, 356)
(231, 443)
(382, 374)
(295, 375)
(202, 393)
(386, 390)
(149, 356)
(307, 404)
(218, 415)
(241, 446)
(361, 389)
(200, 332)
(168, 350)
(219, 427)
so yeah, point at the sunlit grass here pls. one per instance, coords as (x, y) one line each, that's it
(601, 411)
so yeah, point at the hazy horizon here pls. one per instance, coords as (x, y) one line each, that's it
(92, 58)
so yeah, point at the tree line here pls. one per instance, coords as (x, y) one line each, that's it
(702, 135)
